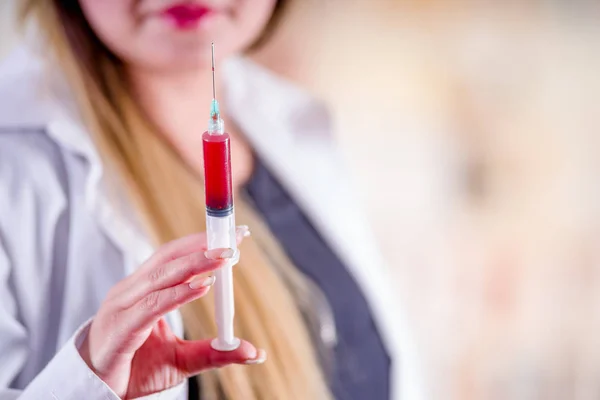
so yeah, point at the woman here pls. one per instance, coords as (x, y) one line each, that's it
(99, 155)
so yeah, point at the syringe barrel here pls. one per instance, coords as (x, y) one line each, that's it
(217, 174)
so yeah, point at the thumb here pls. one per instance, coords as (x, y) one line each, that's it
(197, 356)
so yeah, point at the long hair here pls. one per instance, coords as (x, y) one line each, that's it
(168, 197)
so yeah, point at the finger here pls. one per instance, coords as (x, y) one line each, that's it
(185, 246)
(148, 310)
(197, 356)
(185, 267)
(189, 244)
(134, 287)
(173, 273)
(171, 251)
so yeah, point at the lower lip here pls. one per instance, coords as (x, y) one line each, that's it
(186, 17)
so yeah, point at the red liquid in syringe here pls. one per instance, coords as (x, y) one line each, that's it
(217, 174)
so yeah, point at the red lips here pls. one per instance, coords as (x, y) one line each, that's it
(187, 15)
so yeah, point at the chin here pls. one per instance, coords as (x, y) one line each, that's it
(186, 64)
(180, 56)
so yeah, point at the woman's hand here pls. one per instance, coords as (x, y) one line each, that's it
(129, 344)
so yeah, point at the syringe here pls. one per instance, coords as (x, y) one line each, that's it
(220, 219)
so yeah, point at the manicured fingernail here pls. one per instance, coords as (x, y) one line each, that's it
(202, 282)
(243, 230)
(219, 254)
(261, 357)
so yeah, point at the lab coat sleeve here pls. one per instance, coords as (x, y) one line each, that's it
(66, 376)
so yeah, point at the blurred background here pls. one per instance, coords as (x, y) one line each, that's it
(473, 132)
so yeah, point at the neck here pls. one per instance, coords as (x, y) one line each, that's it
(177, 104)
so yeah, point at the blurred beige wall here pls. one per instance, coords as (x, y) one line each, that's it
(473, 131)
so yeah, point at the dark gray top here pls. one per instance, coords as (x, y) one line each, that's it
(361, 362)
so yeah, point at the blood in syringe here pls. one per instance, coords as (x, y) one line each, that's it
(217, 174)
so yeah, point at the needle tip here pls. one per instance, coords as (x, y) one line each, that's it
(213, 69)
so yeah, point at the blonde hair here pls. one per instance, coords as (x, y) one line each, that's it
(168, 196)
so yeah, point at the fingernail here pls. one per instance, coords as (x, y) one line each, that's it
(219, 254)
(202, 282)
(244, 230)
(260, 358)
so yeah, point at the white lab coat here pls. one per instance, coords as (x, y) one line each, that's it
(64, 242)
